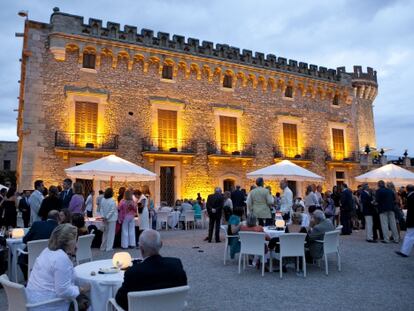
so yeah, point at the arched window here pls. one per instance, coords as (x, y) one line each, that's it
(229, 184)
(289, 91)
(228, 81)
(167, 72)
(89, 60)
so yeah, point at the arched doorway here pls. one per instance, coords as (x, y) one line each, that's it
(229, 184)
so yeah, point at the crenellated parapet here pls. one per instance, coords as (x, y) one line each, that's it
(67, 23)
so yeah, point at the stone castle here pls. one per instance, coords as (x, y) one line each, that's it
(198, 115)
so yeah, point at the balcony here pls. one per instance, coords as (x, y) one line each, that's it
(86, 142)
(168, 147)
(340, 158)
(231, 150)
(293, 154)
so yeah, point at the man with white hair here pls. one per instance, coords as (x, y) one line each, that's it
(154, 272)
(215, 204)
(317, 232)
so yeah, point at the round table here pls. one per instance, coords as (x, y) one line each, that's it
(273, 233)
(12, 269)
(99, 223)
(103, 286)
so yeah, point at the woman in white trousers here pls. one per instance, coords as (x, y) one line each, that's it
(109, 213)
(127, 211)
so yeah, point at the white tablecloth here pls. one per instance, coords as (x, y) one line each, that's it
(273, 233)
(103, 286)
(99, 223)
(173, 218)
(14, 245)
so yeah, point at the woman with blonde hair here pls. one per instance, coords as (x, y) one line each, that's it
(126, 217)
(52, 275)
(77, 202)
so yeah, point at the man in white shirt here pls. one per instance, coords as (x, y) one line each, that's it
(35, 201)
(89, 204)
(286, 201)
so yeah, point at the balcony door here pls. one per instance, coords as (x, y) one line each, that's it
(290, 140)
(167, 130)
(228, 134)
(167, 185)
(86, 124)
(338, 144)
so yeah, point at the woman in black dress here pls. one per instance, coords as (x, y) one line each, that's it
(8, 212)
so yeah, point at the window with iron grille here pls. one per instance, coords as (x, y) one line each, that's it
(89, 60)
(335, 100)
(228, 134)
(338, 144)
(228, 81)
(86, 124)
(290, 139)
(167, 129)
(167, 72)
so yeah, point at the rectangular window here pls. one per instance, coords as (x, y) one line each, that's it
(7, 165)
(86, 124)
(289, 92)
(338, 144)
(167, 72)
(228, 81)
(89, 60)
(167, 129)
(340, 178)
(290, 140)
(228, 134)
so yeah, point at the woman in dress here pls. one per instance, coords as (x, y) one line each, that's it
(51, 202)
(228, 205)
(233, 229)
(143, 220)
(126, 217)
(77, 202)
(8, 212)
(109, 213)
(52, 275)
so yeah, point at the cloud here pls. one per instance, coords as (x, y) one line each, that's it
(375, 33)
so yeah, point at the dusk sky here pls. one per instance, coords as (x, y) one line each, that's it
(374, 33)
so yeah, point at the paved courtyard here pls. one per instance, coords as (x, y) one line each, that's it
(372, 278)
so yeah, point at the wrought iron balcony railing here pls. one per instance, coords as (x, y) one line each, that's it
(88, 141)
(158, 144)
(220, 148)
(293, 153)
(342, 156)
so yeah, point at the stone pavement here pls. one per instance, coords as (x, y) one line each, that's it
(373, 277)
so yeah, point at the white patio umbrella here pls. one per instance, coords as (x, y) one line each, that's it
(389, 172)
(285, 170)
(110, 168)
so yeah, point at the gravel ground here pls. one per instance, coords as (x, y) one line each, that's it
(373, 277)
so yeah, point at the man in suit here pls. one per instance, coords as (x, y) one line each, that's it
(35, 201)
(259, 201)
(368, 210)
(24, 208)
(154, 272)
(38, 231)
(408, 242)
(66, 195)
(386, 201)
(321, 225)
(215, 203)
(347, 207)
(237, 197)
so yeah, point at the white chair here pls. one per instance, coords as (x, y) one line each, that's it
(292, 245)
(252, 243)
(204, 218)
(162, 217)
(34, 248)
(17, 299)
(171, 299)
(331, 245)
(84, 251)
(189, 217)
(226, 242)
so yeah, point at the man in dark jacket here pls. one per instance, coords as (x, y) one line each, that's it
(215, 203)
(66, 195)
(408, 242)
(24, 208)
(238, 198)
(385, 203)
(347, 207)
(38, 231)
(368, 210)
(154, 272)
